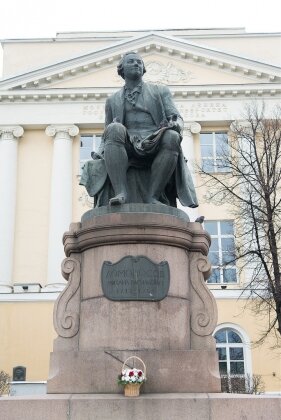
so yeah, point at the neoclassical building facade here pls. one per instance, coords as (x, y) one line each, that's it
(52, 98)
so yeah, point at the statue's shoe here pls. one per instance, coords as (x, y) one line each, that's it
(117, 200)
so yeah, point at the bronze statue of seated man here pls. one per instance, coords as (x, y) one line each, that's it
(140, 158)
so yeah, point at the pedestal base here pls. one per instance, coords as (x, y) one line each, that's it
(167, 371)
(144, 407)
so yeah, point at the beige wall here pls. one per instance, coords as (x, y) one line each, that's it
(21, 57)
(264, 49)
(26, 331)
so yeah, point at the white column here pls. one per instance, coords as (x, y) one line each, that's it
(188, 148)
(60, 201)
(9, 136)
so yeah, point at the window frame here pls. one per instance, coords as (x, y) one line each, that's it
(228, 345)
(221, 267)
(246, 344)
(215, 157)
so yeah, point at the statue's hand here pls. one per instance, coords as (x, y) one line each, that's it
(174, 125)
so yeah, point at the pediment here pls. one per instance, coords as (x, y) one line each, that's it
(173, 61)
(160, 68)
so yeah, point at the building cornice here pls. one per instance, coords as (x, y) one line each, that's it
(89, 94)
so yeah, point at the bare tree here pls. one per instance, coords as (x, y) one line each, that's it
(248, 178)
(242, 384)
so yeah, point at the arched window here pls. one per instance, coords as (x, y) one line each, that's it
(233, 354)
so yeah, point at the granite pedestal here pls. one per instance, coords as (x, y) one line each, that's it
(173, 336)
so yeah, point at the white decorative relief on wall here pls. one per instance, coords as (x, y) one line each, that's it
(166, 73)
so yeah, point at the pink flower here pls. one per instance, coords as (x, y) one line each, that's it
(139, 373)
(131, 373)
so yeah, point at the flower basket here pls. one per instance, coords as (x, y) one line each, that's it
(132, 378)
(132, 390)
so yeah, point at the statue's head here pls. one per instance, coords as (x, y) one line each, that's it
(125, 60)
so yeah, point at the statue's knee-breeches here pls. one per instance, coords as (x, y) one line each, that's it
(171, 141)
(115, 133)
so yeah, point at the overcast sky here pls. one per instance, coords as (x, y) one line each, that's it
(44, 18)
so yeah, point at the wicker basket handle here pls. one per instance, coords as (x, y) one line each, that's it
(135, 357)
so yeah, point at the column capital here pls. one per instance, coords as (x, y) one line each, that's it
(71, 130)
(192, 127)
(11, 132)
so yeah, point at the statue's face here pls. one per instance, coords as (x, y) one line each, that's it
(133, 67)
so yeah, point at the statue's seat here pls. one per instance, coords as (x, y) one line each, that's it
(138, 179)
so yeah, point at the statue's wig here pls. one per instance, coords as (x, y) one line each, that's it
(120, 67)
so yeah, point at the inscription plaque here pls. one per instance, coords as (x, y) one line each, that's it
(135, 278)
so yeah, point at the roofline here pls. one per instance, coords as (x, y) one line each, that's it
(94, 35)
(164, 29)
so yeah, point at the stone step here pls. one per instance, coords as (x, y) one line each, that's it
(144, 407)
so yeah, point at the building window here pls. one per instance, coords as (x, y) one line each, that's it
(222, 251)
(214, 151)
(231, 354)
(88, 143)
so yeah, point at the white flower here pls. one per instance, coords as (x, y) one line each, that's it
(132, 376)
